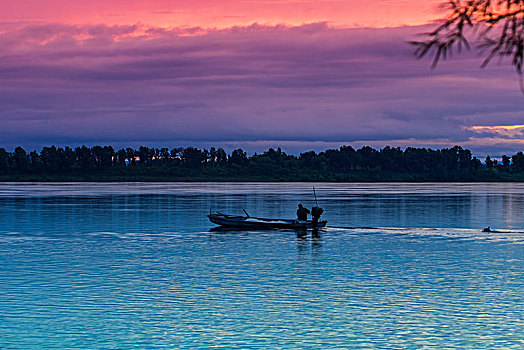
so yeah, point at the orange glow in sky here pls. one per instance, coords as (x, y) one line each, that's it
(222, 13)
(497, 127)
(508, 131)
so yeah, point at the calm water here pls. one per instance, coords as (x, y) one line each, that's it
(135, 266)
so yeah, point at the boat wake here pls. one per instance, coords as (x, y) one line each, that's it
(515, 236)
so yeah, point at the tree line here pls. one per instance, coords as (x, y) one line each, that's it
(104, 163)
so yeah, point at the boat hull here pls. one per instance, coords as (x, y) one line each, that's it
(262, 223)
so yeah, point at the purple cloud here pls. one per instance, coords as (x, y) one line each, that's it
(245, 86)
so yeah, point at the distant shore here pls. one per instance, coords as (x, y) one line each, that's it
(370, 178)
(104, 164)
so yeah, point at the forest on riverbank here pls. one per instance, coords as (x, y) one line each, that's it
(103, 163)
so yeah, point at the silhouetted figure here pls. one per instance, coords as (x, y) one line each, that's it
(487, 229)
(315, 213)
(302, 213)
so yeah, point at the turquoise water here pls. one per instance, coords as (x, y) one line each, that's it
(136, 266)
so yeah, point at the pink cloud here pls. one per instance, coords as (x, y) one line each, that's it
(221, 14)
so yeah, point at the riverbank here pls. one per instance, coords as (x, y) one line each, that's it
(104, 164)
(367, 176)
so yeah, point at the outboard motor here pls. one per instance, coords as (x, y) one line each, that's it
(315, 214)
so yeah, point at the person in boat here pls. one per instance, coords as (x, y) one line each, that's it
(487, 229)
(302, 213)
(315, 213)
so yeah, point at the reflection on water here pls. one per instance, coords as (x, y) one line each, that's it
(309, 243)
(140, 206)
(138, 266)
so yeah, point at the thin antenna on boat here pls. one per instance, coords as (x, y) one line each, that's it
(315, 193)
(245, 212)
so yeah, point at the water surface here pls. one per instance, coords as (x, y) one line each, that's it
(136, 266)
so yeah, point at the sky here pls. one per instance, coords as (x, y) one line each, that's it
(297, 74)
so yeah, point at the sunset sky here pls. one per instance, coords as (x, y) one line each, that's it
(299, 74)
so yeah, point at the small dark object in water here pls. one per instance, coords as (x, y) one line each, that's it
(487, 229)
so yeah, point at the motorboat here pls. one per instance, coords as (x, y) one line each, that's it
(247, 221)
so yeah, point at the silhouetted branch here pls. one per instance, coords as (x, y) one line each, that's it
(498, 26)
